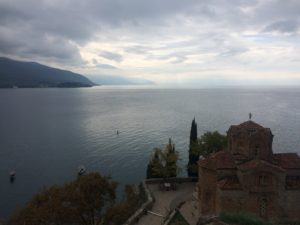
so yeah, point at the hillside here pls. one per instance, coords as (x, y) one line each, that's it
(31, 74)
(119, 80)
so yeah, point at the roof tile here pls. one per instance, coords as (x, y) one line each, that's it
(288, 160)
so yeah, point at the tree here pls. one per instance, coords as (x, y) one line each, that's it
(211, 142)
(208, 143)
(83, 201)
(193, 158)
(120, 212)
(154, 162)
(194, 131)
(163, 162)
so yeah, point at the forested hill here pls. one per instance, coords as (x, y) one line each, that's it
(30, 74)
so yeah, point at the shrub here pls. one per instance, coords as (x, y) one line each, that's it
(242, 219)
(178, 219)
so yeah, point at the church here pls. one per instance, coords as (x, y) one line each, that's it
(248, 177)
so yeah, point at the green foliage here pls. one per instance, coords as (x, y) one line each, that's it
(208, 143)
(178, 219)
(163, 162)
(242, 219)
(88, 200)
(82, 201)
(194, 131)
(120, 212)
(192, 157)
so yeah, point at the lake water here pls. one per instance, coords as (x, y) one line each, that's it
(45, 134)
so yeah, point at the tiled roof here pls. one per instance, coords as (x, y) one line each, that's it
(248, 125)
(218, 160)
(258, 164)
(288, 160)
(229, 183)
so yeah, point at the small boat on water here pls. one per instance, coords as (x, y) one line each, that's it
(12, 176)
(81, 170)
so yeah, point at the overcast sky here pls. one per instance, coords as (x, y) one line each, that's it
(166, 41)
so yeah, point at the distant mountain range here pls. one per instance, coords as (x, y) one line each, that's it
(30, 74)
(119, 80)
(15, 73)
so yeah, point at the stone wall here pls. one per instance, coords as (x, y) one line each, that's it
(230, 201)
(172, 179)
(291, 204)
(207, 187)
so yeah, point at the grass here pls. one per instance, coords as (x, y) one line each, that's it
(242, 219)
(178, 219)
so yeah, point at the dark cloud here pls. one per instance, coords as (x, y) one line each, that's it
(102, 66)
(55, 29)
(111, 56)
(9, 14)
(42, 47)
(285, 26)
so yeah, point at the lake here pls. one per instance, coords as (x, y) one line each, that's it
(45, 134)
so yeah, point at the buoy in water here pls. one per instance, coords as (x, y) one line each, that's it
(81, 170)
(12, 176)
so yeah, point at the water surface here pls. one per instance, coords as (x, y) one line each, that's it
(45, 134)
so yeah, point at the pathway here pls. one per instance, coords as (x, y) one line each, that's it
(164, 200)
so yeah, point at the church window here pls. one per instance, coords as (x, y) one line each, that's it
(256, 150)
(251, 131)
(262, 180)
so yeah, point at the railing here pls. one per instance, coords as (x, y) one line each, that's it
(172, 179)
(150, 199)
(143, 209)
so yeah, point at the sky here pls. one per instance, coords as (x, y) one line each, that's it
(176, 42)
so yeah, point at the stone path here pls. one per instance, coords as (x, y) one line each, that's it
(165, 199)
(190, 211)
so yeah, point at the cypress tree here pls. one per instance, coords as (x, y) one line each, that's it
(193, 158)
(194, 132)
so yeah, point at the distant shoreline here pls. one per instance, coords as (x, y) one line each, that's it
(60, 85)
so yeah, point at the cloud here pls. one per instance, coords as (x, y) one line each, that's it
(111, 56)
(154, 38)
(106, 66)
(39, 48)
(284, 26)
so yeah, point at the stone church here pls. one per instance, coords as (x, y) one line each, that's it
(249, 177)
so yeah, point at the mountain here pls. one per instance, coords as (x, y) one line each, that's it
(118, 80)
(31, 74)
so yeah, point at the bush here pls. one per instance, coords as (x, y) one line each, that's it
(242, 219)
(178, 219)
(87, 200)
